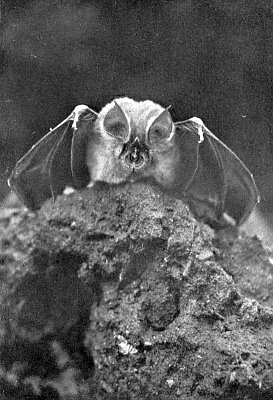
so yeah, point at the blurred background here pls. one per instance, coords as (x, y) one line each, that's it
(211, 59)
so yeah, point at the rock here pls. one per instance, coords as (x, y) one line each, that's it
(251, 267)
(118, 293)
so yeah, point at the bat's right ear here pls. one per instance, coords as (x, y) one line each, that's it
(56, 161)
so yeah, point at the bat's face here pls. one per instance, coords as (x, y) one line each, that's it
(132, 138)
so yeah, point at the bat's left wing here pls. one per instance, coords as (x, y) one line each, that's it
(56, 161)
(222, 187)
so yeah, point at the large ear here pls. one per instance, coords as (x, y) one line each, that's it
(56, 161)
(161, 128)
(115, 122)
(222, 188)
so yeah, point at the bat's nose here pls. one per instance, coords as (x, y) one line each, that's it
(135, 155)
(135, 159)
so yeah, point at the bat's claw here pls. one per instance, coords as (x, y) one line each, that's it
(200, 124)
(77, 113)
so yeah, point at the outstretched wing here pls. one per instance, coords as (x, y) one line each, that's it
(222, 189)
(56, 161)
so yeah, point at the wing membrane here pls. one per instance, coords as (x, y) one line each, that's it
(46, 169)
(222, 186)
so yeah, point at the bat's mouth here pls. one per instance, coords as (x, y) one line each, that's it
(135, 155)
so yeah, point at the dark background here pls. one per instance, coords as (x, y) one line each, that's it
(211, 59)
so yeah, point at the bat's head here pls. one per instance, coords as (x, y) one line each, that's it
(135, 133)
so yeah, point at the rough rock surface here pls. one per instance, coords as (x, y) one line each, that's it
(118, 293)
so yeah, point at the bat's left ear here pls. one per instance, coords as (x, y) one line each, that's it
(161, 128)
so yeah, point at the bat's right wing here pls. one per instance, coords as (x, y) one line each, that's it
(56, 161)
(222, 189)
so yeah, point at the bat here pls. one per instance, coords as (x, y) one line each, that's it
(130, 141)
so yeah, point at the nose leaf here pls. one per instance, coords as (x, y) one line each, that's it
(135, 159)
(136, 155)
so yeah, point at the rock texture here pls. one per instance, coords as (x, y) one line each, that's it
(118, 293)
